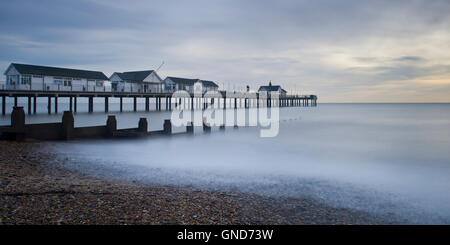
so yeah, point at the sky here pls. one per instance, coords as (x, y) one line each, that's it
(341, 50)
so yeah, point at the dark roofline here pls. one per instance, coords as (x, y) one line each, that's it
(56, 71)
(191, 81)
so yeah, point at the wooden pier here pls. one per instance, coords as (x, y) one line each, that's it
(226, 100)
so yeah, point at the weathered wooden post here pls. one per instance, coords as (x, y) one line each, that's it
(206, 126)
(190, 128)
(143, 125)
(18, 118)
(111, 125)
(167, 127)
(18, 122)
(67, 125)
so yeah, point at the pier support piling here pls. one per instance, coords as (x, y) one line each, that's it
(75, 104)
(91, 104)
(29, 105)
(3, 105)
(49, 105)
(147, 103)
(134, 103)
(34, 104)
(121, 104)
(106, 104)
(70, 103)
(56, 104)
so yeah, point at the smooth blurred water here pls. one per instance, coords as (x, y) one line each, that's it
(389, 159)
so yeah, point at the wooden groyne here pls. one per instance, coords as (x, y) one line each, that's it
(65, 130)
(187, 101)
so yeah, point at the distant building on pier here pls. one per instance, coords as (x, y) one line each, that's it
(34, 77)
(273, 88)
(137, 81)
(173, 84)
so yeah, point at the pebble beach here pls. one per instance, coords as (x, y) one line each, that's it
(37, 189)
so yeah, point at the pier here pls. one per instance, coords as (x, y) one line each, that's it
(189, 101)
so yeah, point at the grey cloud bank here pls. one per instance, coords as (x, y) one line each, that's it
(365, 51)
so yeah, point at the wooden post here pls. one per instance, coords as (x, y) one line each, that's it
(111, 125)
(143, 125)
(29, 105)
(235, 103)
(67, 125)
(170, 103)
(121, 104)
(15, 101)
(106, 103)
(70, 103)
(167, 127)
(190, 128)
(134, 103)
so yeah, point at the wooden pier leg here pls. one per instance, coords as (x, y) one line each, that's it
(147, 103)
(167, 103)
(34, 104)
(56, 104)
(121, 104)
(15, 101)
(106, 104)
(29, 105)
(3, 105)
(91, 104)
(134, 103)
(170, 103)
(49, 105)
(235, 103)
(159, 103)
(75, 104)
(70, 103)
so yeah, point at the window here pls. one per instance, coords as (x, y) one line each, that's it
(58, 81)
(99, 83)
(67, 82)
(11, 80)
(25, 79)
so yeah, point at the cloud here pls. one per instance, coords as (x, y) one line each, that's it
(361, 50)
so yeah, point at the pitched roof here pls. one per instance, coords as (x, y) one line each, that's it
(189, 81)
(56, 71)
(134, 76)
(271, 88)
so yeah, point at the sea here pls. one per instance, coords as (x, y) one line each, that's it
(388, 159)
